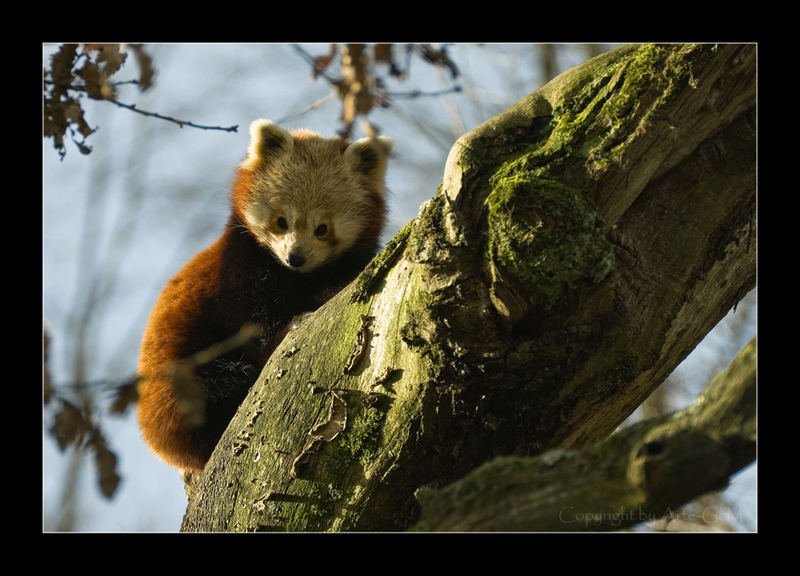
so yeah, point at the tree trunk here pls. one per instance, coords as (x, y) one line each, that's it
(583, 242)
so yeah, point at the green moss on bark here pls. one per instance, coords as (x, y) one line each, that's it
(543, 235)
(363, 436)
(606, 109)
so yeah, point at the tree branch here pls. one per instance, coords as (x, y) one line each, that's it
(636, 475)
(180, 123)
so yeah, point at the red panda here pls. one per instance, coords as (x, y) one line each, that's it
(307, 214)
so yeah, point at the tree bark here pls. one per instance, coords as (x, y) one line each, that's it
(636, 475)
(582, 243)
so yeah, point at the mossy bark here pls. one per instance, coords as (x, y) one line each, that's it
(636, 475)
(581, 245)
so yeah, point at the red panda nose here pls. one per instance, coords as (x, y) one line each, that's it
(296, 260)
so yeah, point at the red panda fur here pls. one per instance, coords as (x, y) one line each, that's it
(307, 214)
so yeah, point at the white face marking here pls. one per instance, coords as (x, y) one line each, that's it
(310, 198)
(302, 241)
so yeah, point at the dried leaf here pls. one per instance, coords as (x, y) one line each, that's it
(383, 53)
(61, 68)
(322, 62)
(56, 99)
(112, 56)
(54, 123)
(72, 112)
(95, 81)
(69, 426)
(145, 63)
(356, 87)
(348, 110)
(62, 109)
(439, 58)
(106, 462)
(124, 396)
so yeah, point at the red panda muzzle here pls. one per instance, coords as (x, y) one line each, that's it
(295, 259)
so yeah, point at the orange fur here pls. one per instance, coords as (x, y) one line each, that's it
(330, 195)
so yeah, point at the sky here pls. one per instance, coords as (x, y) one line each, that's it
(117, 223)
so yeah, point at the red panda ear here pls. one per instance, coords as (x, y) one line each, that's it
(368, 157)
(267, 142)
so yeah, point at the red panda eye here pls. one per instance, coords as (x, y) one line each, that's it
(320, 230)
(282, 224)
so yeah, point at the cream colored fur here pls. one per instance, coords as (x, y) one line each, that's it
(311, 195)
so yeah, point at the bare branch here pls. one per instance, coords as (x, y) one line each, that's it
(180, 123)
(422, 94)
(313, 106)
(636, 475)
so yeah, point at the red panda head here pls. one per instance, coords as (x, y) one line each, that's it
(310, 199)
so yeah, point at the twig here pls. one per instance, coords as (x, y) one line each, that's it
(421, 94)
(132, 107)
(244, 335)
(313, 106)
(313, 61)
(180, 123)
